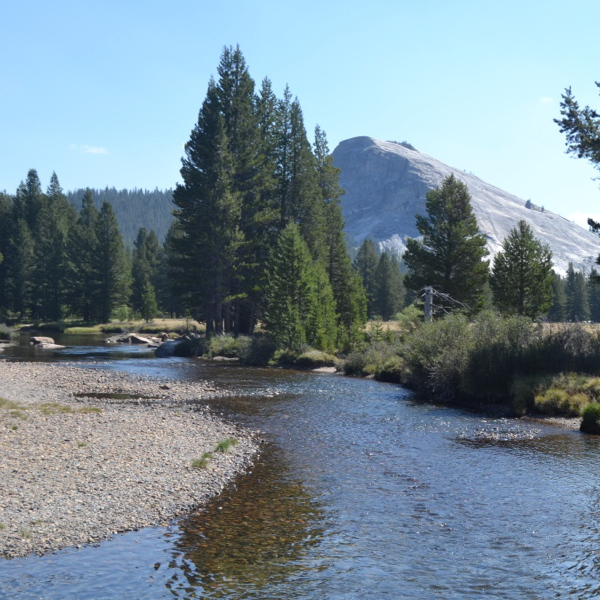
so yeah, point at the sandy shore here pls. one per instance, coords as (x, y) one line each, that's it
(76, 470)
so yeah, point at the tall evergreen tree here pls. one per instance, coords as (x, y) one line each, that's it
(290, 296)
(322, 327)
(208, 211)
(366, 262)
(82, 245)
(522, 276)
(348, 292)
(594, 296)
(578, 308)
(558, 310)
(110, 266)
(300, 199)
(20, 266)
(389, 288)
(52, 229)
(451, 255)
(145, 265)
(6, 225)
(29, 200)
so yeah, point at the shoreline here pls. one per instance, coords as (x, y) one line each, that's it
(76, 469)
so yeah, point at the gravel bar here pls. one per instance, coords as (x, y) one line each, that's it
(77, 469)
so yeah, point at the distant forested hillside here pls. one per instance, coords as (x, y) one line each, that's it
(134, 209)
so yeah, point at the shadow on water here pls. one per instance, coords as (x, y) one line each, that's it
(254, 535)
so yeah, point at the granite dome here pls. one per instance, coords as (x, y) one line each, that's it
(386, 184)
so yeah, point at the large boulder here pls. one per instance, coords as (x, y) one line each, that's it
(134, 338)
(166, 349)
(37, 340)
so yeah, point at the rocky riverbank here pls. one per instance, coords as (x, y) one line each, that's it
(76, 466)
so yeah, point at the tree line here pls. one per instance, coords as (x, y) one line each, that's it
(62, 263)
(258, 237)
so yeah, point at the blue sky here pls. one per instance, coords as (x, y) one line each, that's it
(106, 92)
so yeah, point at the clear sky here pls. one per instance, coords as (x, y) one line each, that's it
(106, 92)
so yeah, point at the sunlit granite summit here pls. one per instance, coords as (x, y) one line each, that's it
(386, 184)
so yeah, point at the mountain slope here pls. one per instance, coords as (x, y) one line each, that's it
(386, 184)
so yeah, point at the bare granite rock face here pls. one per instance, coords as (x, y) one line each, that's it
(386, 184)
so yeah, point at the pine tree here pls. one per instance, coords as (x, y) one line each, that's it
(389, 288)
(209, 212)
(82, 245)
(29, 200)
(450, 257)
(348, 292)
(110, 267)
(594, 296)
(558, 310)
(292, 314)
(578, 308)
(6, 225)
(145, 264)
(522, 276)
(53, 224)
(300, 199)
(366, 262)
(322, 328)
(20, 266)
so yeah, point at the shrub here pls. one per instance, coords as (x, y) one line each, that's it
(228, 345)
(259, 351)
(556, 401)
(313, 359)
(495, 357)
(6, 333)
(366, 360)
(436, 355)
(590, 422)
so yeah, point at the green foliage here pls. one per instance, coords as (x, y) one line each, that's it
(259, 352)
(581, 127)
(389, 290)
(149, 209)
(590, 422)
(578, 308)
(366, 262)
(370, 357)
(226, 445)
(300, 306)
(6, 333)
(314, 359)
(410, 318)
(203, 461)
(555, 401)
(450, 257)
(522, 276)
(558, 310)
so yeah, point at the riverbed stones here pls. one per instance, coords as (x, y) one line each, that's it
(78, 467)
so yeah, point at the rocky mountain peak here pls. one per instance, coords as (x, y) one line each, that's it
(386, 184)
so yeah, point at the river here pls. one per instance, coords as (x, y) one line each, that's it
(360, 492)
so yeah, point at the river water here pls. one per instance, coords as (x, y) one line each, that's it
(360, 492)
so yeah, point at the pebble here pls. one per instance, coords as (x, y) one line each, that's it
(74, 478)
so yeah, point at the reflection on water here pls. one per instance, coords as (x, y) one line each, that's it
(255, 534)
